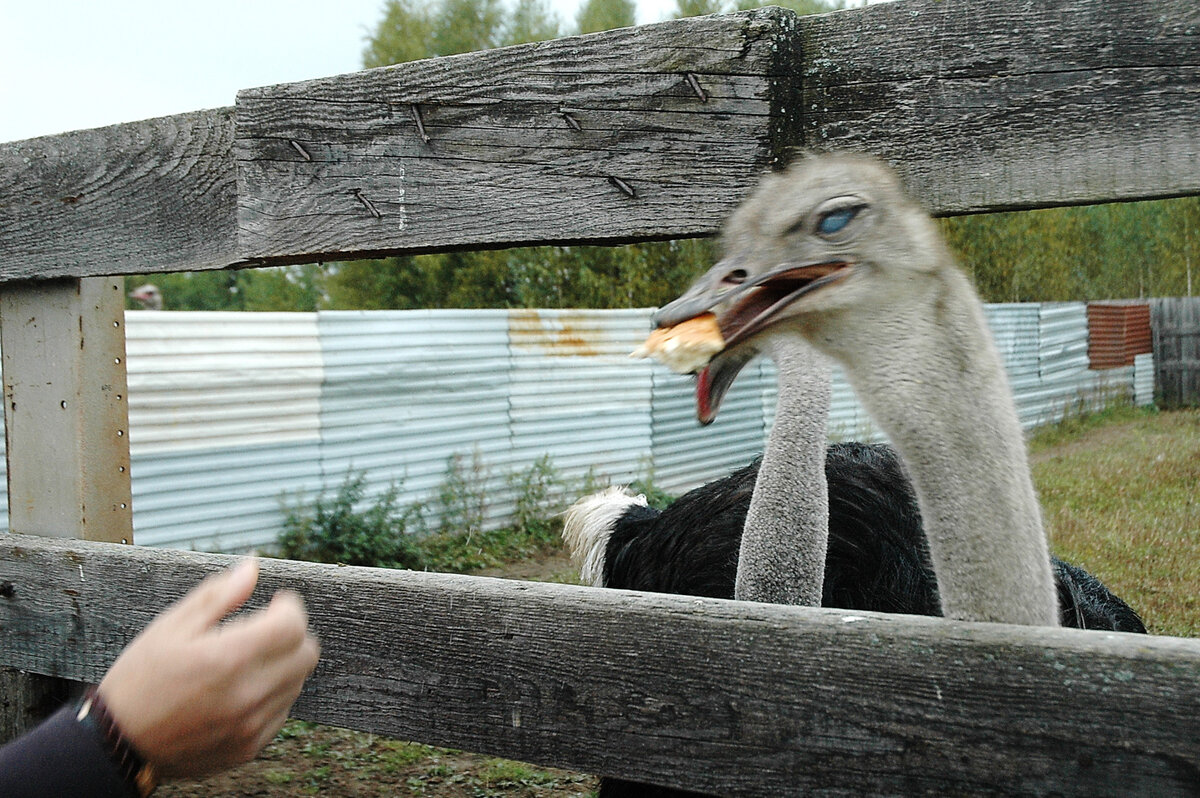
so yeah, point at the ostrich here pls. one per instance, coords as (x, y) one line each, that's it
(834, 254)
(847, 216)
(148, 296)
(834, 250)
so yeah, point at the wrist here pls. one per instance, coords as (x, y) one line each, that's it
(93, 713)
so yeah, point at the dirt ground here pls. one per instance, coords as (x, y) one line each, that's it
(308, 759)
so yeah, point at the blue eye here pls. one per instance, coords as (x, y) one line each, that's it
(834, 221)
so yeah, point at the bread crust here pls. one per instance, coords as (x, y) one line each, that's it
(686, 347)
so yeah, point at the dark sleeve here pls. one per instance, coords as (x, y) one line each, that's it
(60, 758)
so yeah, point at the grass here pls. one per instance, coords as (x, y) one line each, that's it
(1119, 491)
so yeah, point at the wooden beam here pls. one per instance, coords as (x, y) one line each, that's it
(989, 105)
(65, 409)
(726, 697)
(152, 196)
(638, 133)
(983, 105)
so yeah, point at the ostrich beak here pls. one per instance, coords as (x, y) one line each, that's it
(743, 310)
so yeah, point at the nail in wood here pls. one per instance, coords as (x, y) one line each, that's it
(694, 82)
(624, 187)
(416, 115)
(303, 152)
(370, 206)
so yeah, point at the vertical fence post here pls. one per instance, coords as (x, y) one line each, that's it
(66, 427)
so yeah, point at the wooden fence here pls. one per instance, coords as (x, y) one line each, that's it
(628, 135)
(1175, 325)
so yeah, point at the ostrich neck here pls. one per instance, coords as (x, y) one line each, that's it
(782, 556)
(934, 381)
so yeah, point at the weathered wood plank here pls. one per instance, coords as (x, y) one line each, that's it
(1008, 104)
(733, 698)
(158, 195)
(650, 132)
(65, 408)
(983, 105)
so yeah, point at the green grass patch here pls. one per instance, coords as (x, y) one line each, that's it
(1119, 492)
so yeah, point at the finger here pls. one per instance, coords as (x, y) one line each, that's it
(217, 596)
(275, 631)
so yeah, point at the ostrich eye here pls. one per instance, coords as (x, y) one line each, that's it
(835, 221)
(735, 277)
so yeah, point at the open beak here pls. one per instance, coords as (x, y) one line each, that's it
(742, 310)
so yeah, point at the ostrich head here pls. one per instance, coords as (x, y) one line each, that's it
(148, 296)
(811, 249)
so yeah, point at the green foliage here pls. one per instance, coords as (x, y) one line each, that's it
(656, 497)
(1113, 251)
(536, 488)
(598, 15)
(404, 34)
(462, 498)
(531, 21)
(340, 530)
(280, 288)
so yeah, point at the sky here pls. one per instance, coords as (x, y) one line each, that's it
(72, 64)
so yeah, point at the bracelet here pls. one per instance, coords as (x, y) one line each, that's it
(93, 713)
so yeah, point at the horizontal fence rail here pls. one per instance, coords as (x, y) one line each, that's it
(772, 700)
(606, 137)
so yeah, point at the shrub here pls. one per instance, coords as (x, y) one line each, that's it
(337, 530)
(536, 489)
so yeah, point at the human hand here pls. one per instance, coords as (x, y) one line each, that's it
(194, 696)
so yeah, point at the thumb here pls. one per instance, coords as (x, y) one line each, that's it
(217, 596)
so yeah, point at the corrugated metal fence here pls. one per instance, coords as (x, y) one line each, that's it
(232, 413)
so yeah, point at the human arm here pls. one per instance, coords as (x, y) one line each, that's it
(192, 695)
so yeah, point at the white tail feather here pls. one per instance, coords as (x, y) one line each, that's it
(587, 526)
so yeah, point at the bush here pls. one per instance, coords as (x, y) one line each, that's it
(335, 530)
(536, 489)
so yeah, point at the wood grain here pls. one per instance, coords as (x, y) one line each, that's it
(727, 697)
(150, 196)
(66, 412)
(983, 105)
(1008, 104)
(600, 138)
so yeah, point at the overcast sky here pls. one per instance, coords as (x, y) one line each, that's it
(70, 64)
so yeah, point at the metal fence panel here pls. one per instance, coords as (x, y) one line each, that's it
(223, 419)
(576, 396)
(409, 395)
(684, 453)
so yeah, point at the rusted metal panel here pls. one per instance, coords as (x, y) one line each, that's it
(576, 396)
(233, 411)
(1117, 332)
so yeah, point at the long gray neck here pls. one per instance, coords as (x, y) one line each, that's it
(782, 557)
(934, 381)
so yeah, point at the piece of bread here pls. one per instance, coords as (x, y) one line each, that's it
(685, 348)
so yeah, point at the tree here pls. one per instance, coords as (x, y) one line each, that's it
(402, 35)
(531, 21)
(599, 15)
